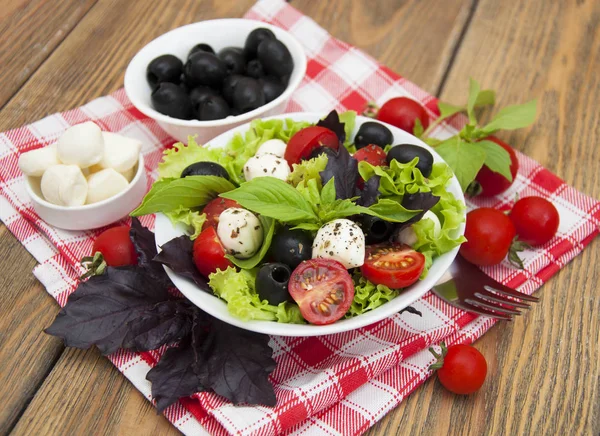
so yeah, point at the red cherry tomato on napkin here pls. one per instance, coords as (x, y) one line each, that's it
(306, 140)
(489, 234)
(402, 112)
(209, 254)
(491, 183)
(463, 368)
(536, 220)
(116, 246)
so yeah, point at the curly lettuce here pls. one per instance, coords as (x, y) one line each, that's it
(237, 289)
(308, 170)
(191, 218)
(368, 296)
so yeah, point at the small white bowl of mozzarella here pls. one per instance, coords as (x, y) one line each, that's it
(87, 179)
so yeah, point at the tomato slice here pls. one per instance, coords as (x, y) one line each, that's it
(209, 254)
(373, 154)
(214, 209)
(116, 246)
(323, 289)
(306, 140)
(393, 265)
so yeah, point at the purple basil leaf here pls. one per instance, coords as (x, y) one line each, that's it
(99, 310)
(412, 310)
(344, 169)
(419, 201)
(173, 377)
(177, 255)
(145, 247)
(332, 122)
(235, 363)
(370, 192)
(165, 323)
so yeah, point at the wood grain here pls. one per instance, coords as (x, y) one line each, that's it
(30, 31)
(544, 375)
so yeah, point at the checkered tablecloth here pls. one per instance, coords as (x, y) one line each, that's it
(338, 384)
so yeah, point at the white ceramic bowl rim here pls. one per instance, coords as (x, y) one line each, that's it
(213, 305)
(291, 43)
(104, 202)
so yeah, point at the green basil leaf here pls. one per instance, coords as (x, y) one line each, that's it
(497, 159)
(192, 191)
(390, 210)
(473, 94)
(307, 226)
(487, 97)
(268, 225)
(465, 159)
(512, 117)
(274, 198)
(418, 128)
(339, 209)
(328, 192)
(447, 110)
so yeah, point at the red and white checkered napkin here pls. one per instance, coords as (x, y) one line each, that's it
(338, 384)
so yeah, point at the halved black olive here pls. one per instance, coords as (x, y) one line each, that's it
(165, 68)
(272, 283)
(205, 169)
(405, 153)
(291, 246)
(375, 229)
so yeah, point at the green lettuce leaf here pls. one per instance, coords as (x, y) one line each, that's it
(191, 218)
(349, 120)
(307, 170)
(176, 159)
(368, 296)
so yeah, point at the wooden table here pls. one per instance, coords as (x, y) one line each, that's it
(544, 371)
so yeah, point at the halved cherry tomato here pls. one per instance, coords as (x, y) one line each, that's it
(209, 254)
(306, 140)
(213, 210)
(323, 289)
(116, 246)
(491, 183)
(489, 234)
(535, 219)
(402, 112)
(373, 154)
(392, 264)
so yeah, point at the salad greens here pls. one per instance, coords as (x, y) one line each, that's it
(368, 296)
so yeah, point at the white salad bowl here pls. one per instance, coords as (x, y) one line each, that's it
(218, 34)
(165, 231)
(89, 216)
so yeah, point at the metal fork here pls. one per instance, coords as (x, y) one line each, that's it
(467, 287)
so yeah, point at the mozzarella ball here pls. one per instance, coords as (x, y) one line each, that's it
(120, 153)
(275, 147)
(128, 174)
(35, 162)
(81, 145)
(240, 232)
(409, 237)
(64, 185)
(266, 165)
(341, 240)
(105, 184)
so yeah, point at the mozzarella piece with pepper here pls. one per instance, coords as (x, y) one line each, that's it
(105, 184)
(272, 146)
(240, 232)
(266, 165)
(120, 152)
(409, 237)
(64, 185)
(81, 145)
(341, 240)
(35, 162)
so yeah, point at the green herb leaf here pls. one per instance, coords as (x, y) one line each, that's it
(447, 110)
(268, 225)
(418, 128)
(192, 191)
(465, 158)
(497, 158)
(307, 226)
(328, 192)
(487, 97)
(390, 210)
(510, 118)
(473, 94)
(274, 198)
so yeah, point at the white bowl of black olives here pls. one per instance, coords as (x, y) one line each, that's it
(208, 77)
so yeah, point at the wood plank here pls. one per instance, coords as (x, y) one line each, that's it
(544, 369)
(104, 50)
(31, 30)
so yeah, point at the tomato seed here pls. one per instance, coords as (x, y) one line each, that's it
(324, 309)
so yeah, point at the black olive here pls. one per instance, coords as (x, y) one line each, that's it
(272, 283)
(375, 229)
(372, 132)
(234, 59)
(248, 95)
(184, 85)
(229, 85)
(169, 99)
(405, 153)
(291, 246)
(213, 107)
(204, 68)
(201, 93)
(328, 151)
(275, 57)
(272, 87)
(165, 68)
(254, 39)
(201, 47)
(205, 169)
(255, 69)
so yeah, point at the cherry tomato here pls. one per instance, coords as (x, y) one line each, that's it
(373, 154)
(209, 254)
(489, 234)
(323, 289)
(306, 140)
(392, 264)
(213, 210)
(402, 113)
(491, 183)
(535, 219)
(116, 246)
(463, 369)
